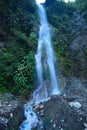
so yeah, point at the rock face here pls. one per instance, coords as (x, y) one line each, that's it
(78, 47)
(11, 112)
(57, 114)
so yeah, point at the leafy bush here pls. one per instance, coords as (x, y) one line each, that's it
(16, 68)
(24, 75)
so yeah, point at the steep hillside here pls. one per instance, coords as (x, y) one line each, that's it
(19, 27)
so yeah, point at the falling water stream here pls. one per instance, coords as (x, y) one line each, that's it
(43, 92)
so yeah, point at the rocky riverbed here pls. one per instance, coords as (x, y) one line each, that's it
(11, 112)
(67, 111)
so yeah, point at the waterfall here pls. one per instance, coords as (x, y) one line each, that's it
(45, 42)
(43, 91)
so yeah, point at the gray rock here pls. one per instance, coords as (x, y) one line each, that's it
(3, 120)
(85, 124)
(11, 112)
(54, 125)
(75, 104)
(41, 107)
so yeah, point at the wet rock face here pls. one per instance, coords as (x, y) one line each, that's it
(78, 46)
(11, 112)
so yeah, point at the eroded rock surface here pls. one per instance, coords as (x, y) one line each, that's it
(11, 112)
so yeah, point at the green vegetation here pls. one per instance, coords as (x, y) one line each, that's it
(18, 20)
(19, 29)
(59, 15)
(16, 69)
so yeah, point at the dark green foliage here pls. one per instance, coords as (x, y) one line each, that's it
(17, 64)
(24, 75)
(17, 23)
(18, 30)
(59, 15)
(58, 8)
(18, 15)
(16, 69)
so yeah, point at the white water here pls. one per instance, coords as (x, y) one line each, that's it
(44, 41)
(43, 92)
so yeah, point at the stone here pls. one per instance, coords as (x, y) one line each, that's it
(85, 129)
(85, 124)
(41, 107)
(36, 107)
(64, 95)
(80, 119)
(51, 120)
(11, 115)
(54, 125)
(62, 120)
(9, 105)
(41, 114)
(75, 104)
(3, 120)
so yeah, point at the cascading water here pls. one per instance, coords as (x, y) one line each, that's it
(45, 42)
(43, 92)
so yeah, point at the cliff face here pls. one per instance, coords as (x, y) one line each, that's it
(78, 47)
